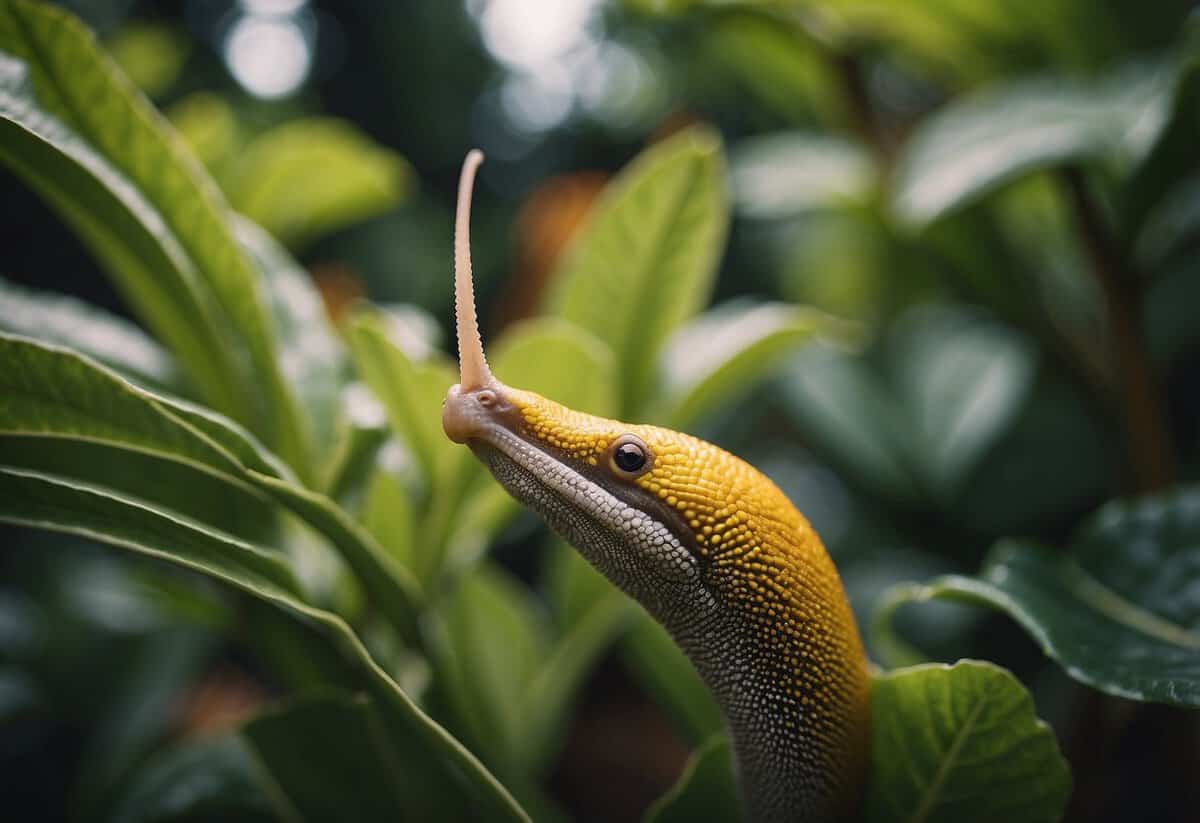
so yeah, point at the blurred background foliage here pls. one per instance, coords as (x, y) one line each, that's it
(989, 213)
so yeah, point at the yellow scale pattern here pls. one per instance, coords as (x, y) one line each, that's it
(760, 554)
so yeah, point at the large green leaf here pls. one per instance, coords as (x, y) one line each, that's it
(722, 352)
(1120, 611)
(646, 259)
(428, 755)
(52, 393)
(980, 142)
(345, 769)
(961, 742)
(112, 340)
(273, 179)
(76, 129)
(705, 791)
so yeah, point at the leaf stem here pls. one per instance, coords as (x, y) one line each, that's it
(1140, 393)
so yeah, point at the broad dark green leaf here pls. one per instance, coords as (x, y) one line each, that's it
(961, 742)
(785, 174)
(79, 133)
(329, 757)
(1120, 611)
(978, 143)
(646, 259)
(721, 353)
(112, 340)
(706, 790)
(272, 179)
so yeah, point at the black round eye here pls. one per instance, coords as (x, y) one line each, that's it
(629, 457)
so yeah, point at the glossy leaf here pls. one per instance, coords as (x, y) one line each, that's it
(981, 142)
(1119, 612)
(721, 353)
(275, 180)
(65, 103)
(645, 261)
(112, 340)
(705, 791)
(789, 173)
(961, 742)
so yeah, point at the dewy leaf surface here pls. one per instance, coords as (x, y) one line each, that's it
(646, 259)
(1120, 611)
(961, 742)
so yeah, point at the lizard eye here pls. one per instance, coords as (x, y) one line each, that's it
(630, 455)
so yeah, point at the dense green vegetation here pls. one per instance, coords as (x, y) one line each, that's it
(932, 266)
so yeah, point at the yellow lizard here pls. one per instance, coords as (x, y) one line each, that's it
(710, 547)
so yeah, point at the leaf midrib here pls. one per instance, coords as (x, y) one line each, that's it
(943, 770)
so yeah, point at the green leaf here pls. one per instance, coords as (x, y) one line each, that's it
(213, 779)
(789, 173)
(112, 340)
(721, 353)
(963, 381)
(54, 393)
(645, 261)
(272, 181)
(433, 758)
(311, 355)
(560, 361)
(1119, 611)
(488, 644)
(411, 392)
(80, 134)
(980, 142)
(151, 55)
(345, 769)
(961, 742)
(707, 789)
(846, 412)
(665, 672)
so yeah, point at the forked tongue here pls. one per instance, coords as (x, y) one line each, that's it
(472, 366)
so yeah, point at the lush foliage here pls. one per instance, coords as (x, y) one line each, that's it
(981, 328)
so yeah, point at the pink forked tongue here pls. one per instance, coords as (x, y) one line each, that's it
(473, 368)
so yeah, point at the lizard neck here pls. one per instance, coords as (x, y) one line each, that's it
(793, 686)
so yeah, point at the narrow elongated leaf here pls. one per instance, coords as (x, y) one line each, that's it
(976, 144)
(706, 790)
(54, 393)
(961, 742)
(1120, 612)
(346, 769)
(430, 756)
(646, 259)
(65, 103)
(112, 340)
(726, 350)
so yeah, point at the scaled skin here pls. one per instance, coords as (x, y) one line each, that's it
(715, 552)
